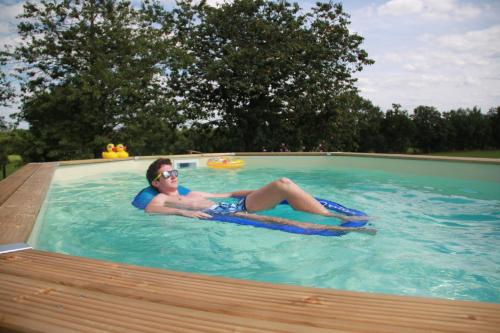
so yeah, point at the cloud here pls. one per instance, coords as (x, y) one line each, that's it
(4, 27)
(447, 71)
(475, 50)
(9, 12)
(445, 92)
(216, 3)
(8, 24)
(430, 9)
(401, 7)
(486, 41)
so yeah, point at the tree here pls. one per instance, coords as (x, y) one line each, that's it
(430, 129)
(92, 67)
(262, 72)
(369, 123)
(494, 119)
(398, 130)
(6, 90)
(469, 129)
(3, 124)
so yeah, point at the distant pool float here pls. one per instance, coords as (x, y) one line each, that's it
(144, 197)
(121, 151)
(225, 163)
(110, 152)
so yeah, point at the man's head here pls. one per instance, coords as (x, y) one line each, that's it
(155, 169)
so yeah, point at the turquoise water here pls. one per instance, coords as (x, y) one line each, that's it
(437, 236)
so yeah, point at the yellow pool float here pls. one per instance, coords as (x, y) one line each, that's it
(225, 163)
(110, 152)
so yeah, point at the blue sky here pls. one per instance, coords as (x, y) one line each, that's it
(442, 53)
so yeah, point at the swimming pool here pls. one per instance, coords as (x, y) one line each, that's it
(439, 226)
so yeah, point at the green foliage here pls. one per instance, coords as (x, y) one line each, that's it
(91, 67)
(398, 130)
(260, 71)
(13, 163)
(11, 142)
(370, 122)
(430, 129)
(6, 90)
(494, 120)
(467, 129)
(3, 124)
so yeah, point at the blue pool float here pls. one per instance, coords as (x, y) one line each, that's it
(144, 197)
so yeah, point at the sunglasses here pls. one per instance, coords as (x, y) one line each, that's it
(167, 174)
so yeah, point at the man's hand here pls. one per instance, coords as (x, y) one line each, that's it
(196, 214)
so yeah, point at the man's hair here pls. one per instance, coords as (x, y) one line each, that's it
(154, 167)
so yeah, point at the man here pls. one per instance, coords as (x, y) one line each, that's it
(161, 176)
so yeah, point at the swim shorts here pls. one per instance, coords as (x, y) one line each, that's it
(225, 208)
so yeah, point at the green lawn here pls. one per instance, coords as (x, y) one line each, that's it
(15, 162)
(471, 153)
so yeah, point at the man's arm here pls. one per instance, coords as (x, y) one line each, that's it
(235, 194)
(157, 206)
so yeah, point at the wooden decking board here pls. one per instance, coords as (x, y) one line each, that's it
(187, 282)
(188, 299)
(179, 285)
(112, 286)
(212, 323)
(87, 277)
(125, 314)
(10, 184)
(19, 210)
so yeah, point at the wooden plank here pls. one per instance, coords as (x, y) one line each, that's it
(19, 212)
(88, 311)
(10, 184)
(95, 269)
(223, 300)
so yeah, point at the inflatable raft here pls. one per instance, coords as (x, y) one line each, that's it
(144, 197)
(225, 163)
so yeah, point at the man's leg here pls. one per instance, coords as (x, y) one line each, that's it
(284, 189)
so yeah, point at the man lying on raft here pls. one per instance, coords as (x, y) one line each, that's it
(161, 176)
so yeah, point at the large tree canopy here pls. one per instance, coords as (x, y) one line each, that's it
(260, 69)
(91, 67)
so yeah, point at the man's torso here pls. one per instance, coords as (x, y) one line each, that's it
(191, 201)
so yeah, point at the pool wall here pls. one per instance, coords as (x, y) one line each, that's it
(420, 165)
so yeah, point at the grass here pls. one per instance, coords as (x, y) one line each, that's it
(471, 153)
(15, 162)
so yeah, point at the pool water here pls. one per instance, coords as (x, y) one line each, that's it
(437, 236)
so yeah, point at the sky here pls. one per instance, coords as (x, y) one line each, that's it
(441, 53)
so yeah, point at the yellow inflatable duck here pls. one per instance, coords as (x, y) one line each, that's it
(121, 151)
(110, 152)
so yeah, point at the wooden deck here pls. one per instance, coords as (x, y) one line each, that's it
(49, 292)
(57, 293)
(21, 197)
